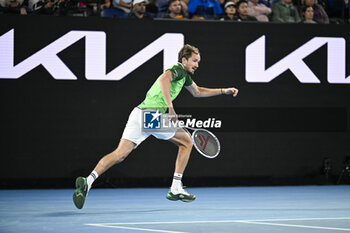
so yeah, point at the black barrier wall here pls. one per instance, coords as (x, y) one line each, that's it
(291, 113)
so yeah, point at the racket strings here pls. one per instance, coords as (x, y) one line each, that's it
(206, 143)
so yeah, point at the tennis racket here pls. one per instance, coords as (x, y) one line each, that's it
(205, 142)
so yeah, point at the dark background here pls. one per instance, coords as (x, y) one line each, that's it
(276, 133)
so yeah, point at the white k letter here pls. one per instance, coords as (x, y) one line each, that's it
(255, 61)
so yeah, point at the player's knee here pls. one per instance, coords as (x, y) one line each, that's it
(119, 155)
(187, 142)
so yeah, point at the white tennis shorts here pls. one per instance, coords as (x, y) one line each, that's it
(133, 129)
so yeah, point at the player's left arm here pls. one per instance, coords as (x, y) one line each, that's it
(197, 91)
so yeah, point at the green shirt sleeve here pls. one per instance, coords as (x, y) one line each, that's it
(188, 81)
(179, 73)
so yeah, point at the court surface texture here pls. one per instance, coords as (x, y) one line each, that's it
(286, 209)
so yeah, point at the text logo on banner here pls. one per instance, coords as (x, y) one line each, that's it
(256, 71)
(95, 56)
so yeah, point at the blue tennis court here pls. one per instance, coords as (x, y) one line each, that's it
(231, 209)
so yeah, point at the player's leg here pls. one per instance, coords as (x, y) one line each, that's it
(83, 184)
(117, 156)
(132, 136)
(184, 143)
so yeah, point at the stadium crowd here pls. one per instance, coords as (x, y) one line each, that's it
(284, 11)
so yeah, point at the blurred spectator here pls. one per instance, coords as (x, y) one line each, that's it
(308, 14)
(184, 6)
(204, 9)
(124, 5)
(267, 3)
(163, 7)
(242, 12)
(152, 7)
(63, 7)
(320, 14)
(230, 11)
(55, 7)
(139, 10)
(13, 7)
(234, 1)
(175, 10)
(100, 6)
(223, 5)
(222, 2)
(106, 4)
(258, 10)
(285, 12)
(42, 7)
(94, 8)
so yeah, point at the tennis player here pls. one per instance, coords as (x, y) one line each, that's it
(160, 97)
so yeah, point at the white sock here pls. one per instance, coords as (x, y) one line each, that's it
(91, 178)
(176, 181)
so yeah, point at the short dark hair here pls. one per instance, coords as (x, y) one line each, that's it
(171, 1)
(187, 51)
(240, 2)
(303, 10)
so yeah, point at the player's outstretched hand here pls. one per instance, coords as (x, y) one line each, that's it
(230, 91)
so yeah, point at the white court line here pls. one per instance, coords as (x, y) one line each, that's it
(135, 228)
(220, 221)
(299, 219)
(255, 221)
(300, 226)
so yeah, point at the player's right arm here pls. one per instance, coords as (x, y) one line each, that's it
(164, 82)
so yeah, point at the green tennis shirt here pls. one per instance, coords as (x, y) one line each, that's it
(154, 97)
